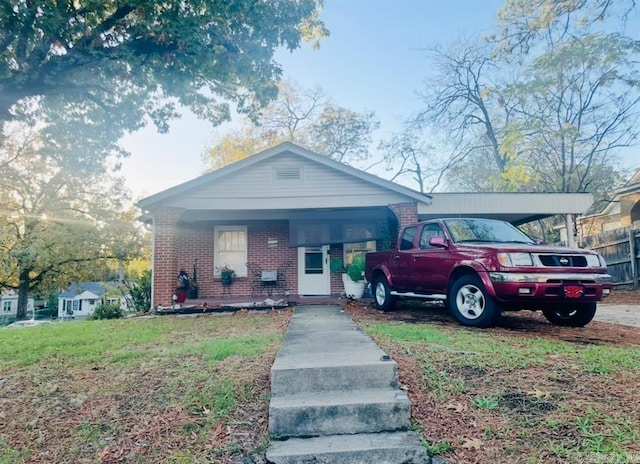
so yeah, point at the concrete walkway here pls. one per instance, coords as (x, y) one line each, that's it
(618, 314)
(335, 396)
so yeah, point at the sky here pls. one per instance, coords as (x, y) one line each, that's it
(373, 60)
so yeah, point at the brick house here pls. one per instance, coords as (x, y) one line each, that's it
(292, 211)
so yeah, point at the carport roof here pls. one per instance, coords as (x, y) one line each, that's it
(517, 208)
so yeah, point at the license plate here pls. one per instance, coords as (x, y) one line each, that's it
(573, 291)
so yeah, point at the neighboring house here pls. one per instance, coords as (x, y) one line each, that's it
(9, 306)
(622, 211)
(80, 300)
(289, 208)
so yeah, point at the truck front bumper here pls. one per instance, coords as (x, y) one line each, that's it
(521, 286)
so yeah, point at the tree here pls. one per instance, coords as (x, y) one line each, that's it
(464, 100)
(552, 120)
(56, 220)
(118, 64)
(577, 105)
(306, 117)
(410, 154)
(523, 24)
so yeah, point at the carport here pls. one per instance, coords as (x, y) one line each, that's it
(516, 208)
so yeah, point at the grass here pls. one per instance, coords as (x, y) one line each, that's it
(499, 396)
(166, 389)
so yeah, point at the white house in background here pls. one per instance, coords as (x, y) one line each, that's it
(9, 305)
(80, 299)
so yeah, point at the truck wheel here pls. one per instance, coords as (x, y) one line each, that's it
(470, 304)
(382, 297)
(571, 315)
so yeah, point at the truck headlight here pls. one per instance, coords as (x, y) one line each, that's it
(515, 259)
(595, 261)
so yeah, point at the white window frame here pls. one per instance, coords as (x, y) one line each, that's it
(239, 268)
(8, 306)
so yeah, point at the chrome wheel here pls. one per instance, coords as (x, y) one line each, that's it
(470, 301)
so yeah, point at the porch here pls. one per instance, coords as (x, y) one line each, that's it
(230, 303)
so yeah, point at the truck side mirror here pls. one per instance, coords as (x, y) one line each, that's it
(438, 242)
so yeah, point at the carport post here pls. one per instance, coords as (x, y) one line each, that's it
(571, 240)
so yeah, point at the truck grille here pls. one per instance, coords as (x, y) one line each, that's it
(563, 260)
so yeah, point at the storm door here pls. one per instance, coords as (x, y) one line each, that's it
(313, 270)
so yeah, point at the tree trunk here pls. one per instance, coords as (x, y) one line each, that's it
(23, 295)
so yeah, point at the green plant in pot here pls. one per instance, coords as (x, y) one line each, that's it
(352, 276)
(227, 275)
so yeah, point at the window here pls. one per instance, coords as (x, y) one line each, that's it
(7, 306)
(429, 231)
(113, 301)
(407, 238)
(352, 250)
(231, 249)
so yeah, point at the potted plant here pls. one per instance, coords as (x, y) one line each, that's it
(227, 275)
(192, 288)
(352, 276)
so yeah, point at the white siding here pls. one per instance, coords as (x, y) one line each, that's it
(257, 187)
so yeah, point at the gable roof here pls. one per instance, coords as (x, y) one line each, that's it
(155, 200)
(96, 288)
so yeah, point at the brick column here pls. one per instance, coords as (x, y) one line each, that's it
(406, 213)
(165, 240)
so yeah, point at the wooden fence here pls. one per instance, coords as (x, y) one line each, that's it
(621, 250)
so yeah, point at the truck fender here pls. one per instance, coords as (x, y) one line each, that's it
(468, 267)
(385, 270)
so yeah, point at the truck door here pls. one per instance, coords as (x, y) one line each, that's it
(401, 260)
(430, 264)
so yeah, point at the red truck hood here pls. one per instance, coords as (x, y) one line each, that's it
(520, 247)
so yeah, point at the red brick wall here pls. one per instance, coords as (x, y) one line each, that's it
(406, 213)
(165, 225)
(177, 246)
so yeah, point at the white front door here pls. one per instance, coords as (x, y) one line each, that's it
(313, 270)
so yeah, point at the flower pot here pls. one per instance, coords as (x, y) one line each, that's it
(181, 295)
(226, 279)
(353, 289)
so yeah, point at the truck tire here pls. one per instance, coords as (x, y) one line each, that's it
(470, 303)
(382, 297)
(571, 314)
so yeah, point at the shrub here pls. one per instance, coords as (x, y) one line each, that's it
(108, 311)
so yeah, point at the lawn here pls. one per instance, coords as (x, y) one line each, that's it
(196, 389)
(140, 390)
(523, 392)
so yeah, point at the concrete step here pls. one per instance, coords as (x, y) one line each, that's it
(339, 412)
(366, 448)
(329, 374)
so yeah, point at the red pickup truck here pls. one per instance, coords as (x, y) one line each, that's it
(482, 267)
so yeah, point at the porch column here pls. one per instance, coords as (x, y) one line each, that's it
(571, 240)
(406, 213)
(165, 249)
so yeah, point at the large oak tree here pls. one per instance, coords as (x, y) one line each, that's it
(58, 223)
(120, 62)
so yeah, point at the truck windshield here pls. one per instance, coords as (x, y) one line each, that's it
(485, 230)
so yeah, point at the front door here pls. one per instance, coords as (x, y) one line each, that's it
(313, 270)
